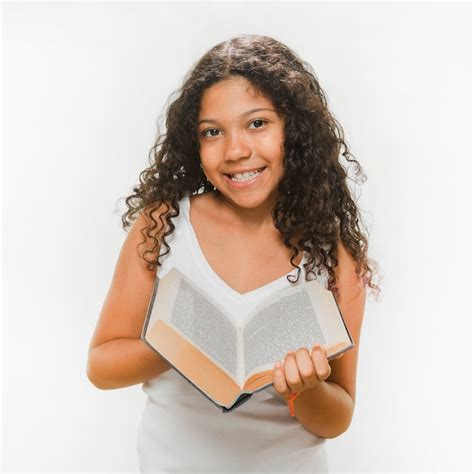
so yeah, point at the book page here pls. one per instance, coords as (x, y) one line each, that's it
(205, 326)
(286, 325)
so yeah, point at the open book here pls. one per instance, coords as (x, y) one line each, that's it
(229, 361)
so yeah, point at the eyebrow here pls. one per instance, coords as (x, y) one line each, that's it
(243, 115)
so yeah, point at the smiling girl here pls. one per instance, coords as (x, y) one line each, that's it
(244, 191)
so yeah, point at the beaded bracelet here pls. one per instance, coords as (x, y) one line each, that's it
(290, 399)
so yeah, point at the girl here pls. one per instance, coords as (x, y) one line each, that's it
(245, 181)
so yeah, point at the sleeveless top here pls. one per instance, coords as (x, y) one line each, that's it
(181, 430)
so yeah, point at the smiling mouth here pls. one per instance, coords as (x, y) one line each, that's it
(259, 170)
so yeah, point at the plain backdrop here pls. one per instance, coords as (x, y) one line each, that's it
(83, 87)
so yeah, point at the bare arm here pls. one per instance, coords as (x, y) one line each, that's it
(124, 362)
(326, 400)
(117, 356)
(327, 409)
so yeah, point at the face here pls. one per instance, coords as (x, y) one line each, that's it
(235, 137)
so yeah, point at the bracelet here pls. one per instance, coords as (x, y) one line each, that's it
(291, 398)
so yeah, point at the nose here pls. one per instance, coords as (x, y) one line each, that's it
(237, 147)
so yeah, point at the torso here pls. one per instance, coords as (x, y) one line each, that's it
(244, 260)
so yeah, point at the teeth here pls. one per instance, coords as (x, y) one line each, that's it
(244, 176)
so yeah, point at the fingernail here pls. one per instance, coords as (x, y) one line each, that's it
(278, 365)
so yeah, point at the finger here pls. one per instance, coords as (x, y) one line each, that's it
(321, 363)
(306, 367)
(292, 374)
(279, 380)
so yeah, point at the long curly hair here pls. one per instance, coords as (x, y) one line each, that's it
(314, 208)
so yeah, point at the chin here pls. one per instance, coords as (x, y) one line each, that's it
(249, 200)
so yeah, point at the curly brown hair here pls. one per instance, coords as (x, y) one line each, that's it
(314, 208)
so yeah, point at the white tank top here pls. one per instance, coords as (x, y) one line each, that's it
(183, 431)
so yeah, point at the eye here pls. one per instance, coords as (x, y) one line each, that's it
(259, 120)
(204, 132)
(208, 130)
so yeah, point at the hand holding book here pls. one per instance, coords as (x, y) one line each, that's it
(228, 358)
(301, 370)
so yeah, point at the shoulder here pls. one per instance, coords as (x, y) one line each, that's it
(153, 213)
(346, 269)
(131, 286)
(149, 227)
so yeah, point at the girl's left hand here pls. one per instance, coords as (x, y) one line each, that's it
(301, 370)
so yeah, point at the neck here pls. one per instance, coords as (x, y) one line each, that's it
(254, 219)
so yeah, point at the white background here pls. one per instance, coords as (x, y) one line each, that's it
(83, 86)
